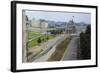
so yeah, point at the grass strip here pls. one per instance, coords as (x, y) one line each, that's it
(60, 49)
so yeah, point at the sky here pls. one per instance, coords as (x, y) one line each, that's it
(59, 16)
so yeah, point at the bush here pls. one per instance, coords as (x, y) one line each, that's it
(47, 38)
(39, 40)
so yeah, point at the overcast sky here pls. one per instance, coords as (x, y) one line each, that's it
(59, 16)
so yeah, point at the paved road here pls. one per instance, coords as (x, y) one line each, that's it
(71, 51)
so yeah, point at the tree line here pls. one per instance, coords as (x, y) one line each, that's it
(85, 43)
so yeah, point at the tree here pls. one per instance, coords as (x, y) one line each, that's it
(47, 38)
(39, 40)
(85, 43)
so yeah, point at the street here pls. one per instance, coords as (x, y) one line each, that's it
(71, 50)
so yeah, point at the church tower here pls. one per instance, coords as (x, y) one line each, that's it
(71, 28)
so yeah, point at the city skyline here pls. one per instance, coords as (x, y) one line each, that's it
(59, 16)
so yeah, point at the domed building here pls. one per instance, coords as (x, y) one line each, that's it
(71, 28)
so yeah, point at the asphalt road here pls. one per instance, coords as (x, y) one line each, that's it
(71, 50)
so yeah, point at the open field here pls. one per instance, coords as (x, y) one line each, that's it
(35, 38)
(33, 34)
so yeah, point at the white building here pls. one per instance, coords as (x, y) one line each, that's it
(35, 23)
(43, 24)
(39, 23)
